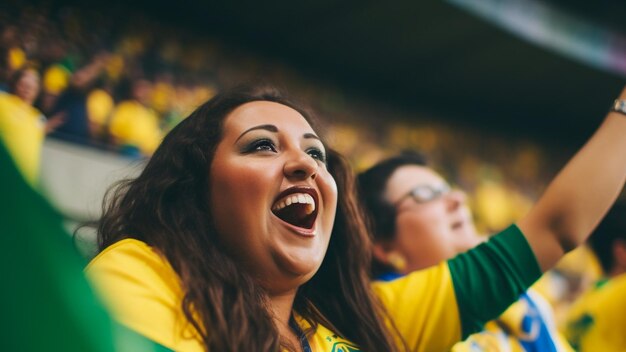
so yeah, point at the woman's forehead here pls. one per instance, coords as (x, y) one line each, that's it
(29, 74)
(257, 113)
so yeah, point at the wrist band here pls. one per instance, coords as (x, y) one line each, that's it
(619, 106)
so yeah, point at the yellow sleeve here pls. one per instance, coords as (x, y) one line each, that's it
(143, 293)
(423, 308)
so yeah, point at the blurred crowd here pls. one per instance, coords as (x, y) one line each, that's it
(122, 82)
(99, 82)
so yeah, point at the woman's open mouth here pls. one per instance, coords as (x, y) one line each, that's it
(457, 225)
(297, 206)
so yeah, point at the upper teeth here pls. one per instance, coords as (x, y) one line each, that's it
(302, 198)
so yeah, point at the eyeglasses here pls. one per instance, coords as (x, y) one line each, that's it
(425, 193)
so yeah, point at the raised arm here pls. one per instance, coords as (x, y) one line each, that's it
(580, 195)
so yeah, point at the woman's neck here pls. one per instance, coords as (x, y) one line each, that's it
(282, 308)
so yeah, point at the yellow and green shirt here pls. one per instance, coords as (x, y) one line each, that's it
(432, 309)
(597, 321)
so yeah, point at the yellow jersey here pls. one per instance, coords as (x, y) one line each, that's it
(22, 129)
(145, 294)
(133, 124)
(597, 320)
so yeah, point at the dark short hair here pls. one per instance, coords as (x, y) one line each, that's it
(611, 229)
(371, 186)
(380, 214)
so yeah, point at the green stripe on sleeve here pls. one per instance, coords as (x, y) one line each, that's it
(490, 277)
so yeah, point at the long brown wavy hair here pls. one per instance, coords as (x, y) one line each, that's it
(167, 208)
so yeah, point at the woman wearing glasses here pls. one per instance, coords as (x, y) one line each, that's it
(419, 221)
(422, 223)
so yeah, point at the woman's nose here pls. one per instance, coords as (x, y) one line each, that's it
(300, 165)
(456, 198)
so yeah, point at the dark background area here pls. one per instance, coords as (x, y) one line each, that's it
(426, 56)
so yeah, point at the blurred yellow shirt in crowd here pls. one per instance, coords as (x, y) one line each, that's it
(161, 97)
(22, 130)
(56, 79)
(597, 321)
(16, 58)
(99, 107)
(134, 124)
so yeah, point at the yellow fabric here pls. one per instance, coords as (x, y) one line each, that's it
(492, 339)
(162, 96)
(145, 295)
(56, 79)
(143, 292)
(134, 124)
(423, 307)
(22, 131)
(326, 340)
(561, 286)
(16, 58)
(597, 321)
(505, 333)
(99, 107)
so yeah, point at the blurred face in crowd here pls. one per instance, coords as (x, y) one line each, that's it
(272, 199)
(142, 91)
(27, 86)
(433, 223)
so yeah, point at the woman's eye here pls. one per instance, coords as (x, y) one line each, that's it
(261, 145)
(317, 154)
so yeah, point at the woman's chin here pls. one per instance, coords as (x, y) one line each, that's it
(291, 275)
(299, 267)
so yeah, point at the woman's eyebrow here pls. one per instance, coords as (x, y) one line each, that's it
(311, 135)
(270, 128)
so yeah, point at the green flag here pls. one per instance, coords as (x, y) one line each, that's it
(46, 304)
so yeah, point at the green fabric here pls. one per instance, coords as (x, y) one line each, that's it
(601, 283)
(490, 277)
(46, 302)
